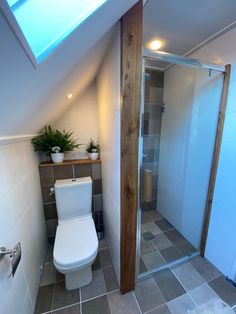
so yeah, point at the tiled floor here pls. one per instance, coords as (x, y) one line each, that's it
(161, 243)
(179, 290)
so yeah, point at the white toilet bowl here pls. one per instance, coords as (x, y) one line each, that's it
(75, 250)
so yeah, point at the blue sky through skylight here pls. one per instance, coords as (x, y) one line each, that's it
(45, 23)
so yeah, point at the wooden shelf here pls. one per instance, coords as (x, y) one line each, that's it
(69, 162)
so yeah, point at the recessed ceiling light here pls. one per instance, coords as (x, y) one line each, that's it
(155, 44)
(69, 96)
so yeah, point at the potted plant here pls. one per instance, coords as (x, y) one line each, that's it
(93, 149)
(55, 143)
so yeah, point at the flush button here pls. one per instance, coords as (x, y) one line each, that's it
(73, 180)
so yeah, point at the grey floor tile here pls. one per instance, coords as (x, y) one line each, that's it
(150, 216)
(203, 294)
(49, 274)
(188, 276)
(163, 309)
(185, 248)
(170, 254)
(74, 309)
(152, 227)
(205, 268)
(142, 267)
(121, 304)
(168, 284)
(110, 279)
(161, 241)
(146, 247)
(225, 290)
(96, 288)
(163, 224)
(153, 260)
(96, 306)
(96, 265)
(148, 295)
(104, 258)
(148, 236)
(181, 305)
(63, 297)
(44, 299)
(174, 236)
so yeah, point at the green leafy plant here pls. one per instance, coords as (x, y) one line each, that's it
(93, 147)
(51, 140)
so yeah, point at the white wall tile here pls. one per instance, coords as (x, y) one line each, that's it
(108, 89)
(22, 219)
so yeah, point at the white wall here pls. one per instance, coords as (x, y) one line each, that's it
(189, 123)
(220, 249)
(31, 97)
(22, 219)
(108, 87)
(82, 119)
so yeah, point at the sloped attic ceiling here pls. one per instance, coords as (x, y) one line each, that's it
(29, 97)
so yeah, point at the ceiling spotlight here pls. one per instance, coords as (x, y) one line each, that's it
(69, 96)
(155, 44)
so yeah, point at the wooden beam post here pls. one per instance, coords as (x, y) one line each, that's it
(215, 158)
(131, 76)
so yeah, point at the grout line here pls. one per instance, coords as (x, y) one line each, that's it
(80, 298)
(65, 307)
(53, 295)
(136, 301)
(109, 304)
(159, 291)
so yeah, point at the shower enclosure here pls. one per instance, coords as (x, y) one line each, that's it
(179, 115)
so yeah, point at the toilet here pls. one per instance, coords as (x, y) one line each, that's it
(76, 243)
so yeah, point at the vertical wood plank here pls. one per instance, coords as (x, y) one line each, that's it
(215, 159)
(131, 73)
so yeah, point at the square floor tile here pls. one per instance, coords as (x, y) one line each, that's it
(188, 276)
(44, 299)
(203, 294)
(74, 309)
(96, 265)
(148, 236)
(148, 296)
(49, 254)
(205, 268)
(170, 254)
(152, 227)
(161, 241)
(96, 288)
(63, 297)
(121, 304)
(225, 290)
(153, 260)
(146, 247)
(181, 305)
(96, 306)
(174, 236)
(110, 279)
(168, 284)
(163, 224)
(102, 244)
(185, 248)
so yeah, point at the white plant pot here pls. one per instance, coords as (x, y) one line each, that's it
(57, 158)
(93, 156)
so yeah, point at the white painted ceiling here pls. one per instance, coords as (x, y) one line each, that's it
(29, 97)
(184, 24)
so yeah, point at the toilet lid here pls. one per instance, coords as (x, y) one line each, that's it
(76, 242)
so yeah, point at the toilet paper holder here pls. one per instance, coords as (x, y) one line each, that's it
(15, 255)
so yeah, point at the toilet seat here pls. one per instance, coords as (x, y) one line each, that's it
(76, 243)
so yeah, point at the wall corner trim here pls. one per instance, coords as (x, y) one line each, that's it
(4, 140)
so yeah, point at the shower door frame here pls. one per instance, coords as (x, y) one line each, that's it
(195, 63)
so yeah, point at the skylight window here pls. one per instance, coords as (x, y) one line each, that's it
(46, 23)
